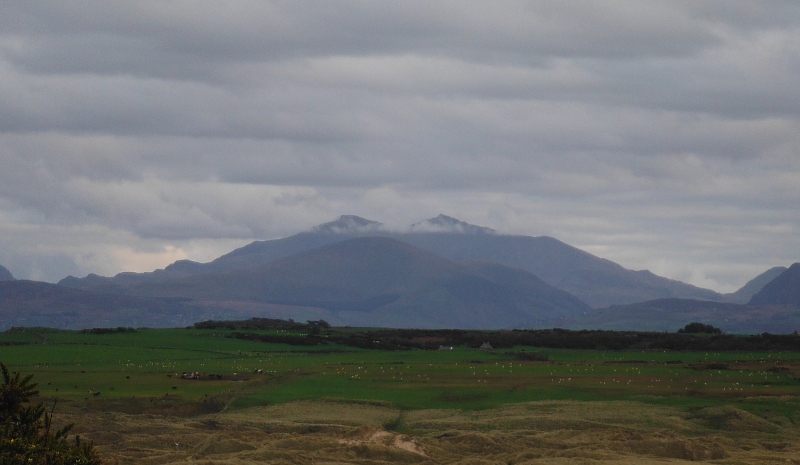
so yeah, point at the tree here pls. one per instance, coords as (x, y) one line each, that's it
(25, 436)
(696, 327)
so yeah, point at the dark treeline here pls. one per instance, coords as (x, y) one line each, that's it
(254, 324)
(320, 333)
(120, 329)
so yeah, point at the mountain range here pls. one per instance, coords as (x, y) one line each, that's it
(377, 281)
(441, 272)
(596, 281)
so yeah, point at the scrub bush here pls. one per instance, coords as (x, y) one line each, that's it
(25, 436)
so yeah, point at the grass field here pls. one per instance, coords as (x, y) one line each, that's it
(135, 375)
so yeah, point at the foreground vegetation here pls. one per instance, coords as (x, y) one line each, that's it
(228, 371)
(26, 436)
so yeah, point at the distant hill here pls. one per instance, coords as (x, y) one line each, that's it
(120, 282)
(5, 275)
(673, 314)
(596, 281)
(378, 281)
(743, 295)
(783, 290)
(31, 303)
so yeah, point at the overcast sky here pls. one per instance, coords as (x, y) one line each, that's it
(661, 135)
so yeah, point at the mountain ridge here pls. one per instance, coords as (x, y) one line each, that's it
(746, 292)
(348, 224)
(379, 281)
(783, 290)
(597, 281)
(354, 273)
(5, 275)
(448, 224)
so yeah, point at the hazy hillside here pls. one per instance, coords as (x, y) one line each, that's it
(673, 314)
(31, 303)
(377, 281)
(5, 275)
(596, 281)
(784, 289)
(348, 279)
(743, 295)
(121, 281)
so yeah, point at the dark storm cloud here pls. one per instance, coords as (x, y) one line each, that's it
(646, 132)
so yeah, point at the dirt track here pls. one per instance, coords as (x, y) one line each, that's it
(334, 432)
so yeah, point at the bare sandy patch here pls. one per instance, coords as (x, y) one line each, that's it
(386, 438)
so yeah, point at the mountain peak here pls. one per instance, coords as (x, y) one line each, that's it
(746, 292)
(783, 290)
(448, 224)
(347, 224)
(5, 275)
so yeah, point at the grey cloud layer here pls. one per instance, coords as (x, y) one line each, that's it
(616, 125)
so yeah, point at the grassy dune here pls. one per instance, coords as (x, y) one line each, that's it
(544, 432)
(278, 403)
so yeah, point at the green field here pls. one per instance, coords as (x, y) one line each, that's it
(125, 370)
(333, 402)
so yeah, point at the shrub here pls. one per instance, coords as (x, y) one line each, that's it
(25, 436)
